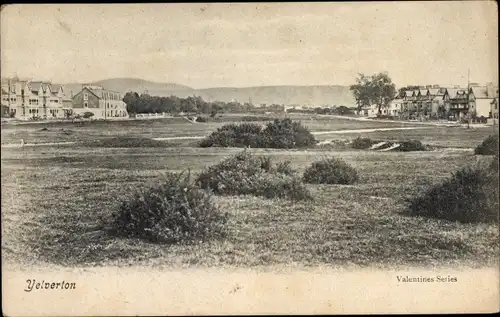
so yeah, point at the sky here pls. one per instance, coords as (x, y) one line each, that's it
(253, 44)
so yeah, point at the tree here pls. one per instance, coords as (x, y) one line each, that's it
(377, 89)
(132, 101)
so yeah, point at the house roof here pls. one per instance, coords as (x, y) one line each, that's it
(35, 86)
(480, 92)
(433, 91)
(457, 93)
(100, 93)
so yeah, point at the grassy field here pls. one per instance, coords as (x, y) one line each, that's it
(53, 200)
(170, 127)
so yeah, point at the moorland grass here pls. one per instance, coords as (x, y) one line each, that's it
(55, 213)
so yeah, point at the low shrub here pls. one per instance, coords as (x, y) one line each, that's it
(411, 145)
(488, 147)
(246, 174)
(494, 164)
(280, 133)
(126, 142)
(287, 134)
(175, 211)
(470, 195)
(88, 115)
(285, 168)
(361, 143)
(201, 120)
(278, 185)
(330, 171)
(235, 135)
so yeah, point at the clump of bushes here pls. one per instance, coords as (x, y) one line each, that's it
(488, 147)
(246, 174)
(175, 211)
(470, 195)
(235, 135)
(201, 120)
(126, 142)
(331, 171)
(362, 143)
(280, 133)
(411, 145)
(287, 134)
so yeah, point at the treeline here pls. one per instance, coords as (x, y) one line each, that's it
(340, 110)
(145, 103)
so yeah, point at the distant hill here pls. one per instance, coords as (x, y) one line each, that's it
(124, 85)
(288, 95)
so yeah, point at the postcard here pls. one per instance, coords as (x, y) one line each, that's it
(249, 158)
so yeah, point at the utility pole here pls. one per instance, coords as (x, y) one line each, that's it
(8, 95)
(467, 95)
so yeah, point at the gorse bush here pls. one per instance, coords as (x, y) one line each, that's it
(488, 147)
(470, 195)
(411, 145)
(285, 168)
(330, 171)
(175, 211)
(362, 143)
(280, 133)
(287, 134)
(246, 174)
(235, 135)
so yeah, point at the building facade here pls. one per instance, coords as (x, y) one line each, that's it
(102, 103)
(481, 99)
(26, 99)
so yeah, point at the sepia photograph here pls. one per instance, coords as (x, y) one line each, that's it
(250, 158)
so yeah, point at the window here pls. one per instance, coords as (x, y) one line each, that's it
(85, 96)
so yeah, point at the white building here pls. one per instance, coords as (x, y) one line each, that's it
(25, 99)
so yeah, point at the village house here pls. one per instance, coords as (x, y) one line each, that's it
(396, 107)
(459, 105)
(102, 103)
(24, 99)
(410, 103)
(440, 101)
(481, 98)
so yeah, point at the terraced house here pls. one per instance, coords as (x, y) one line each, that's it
(102, 103)
(447, 103)
(25, 99)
